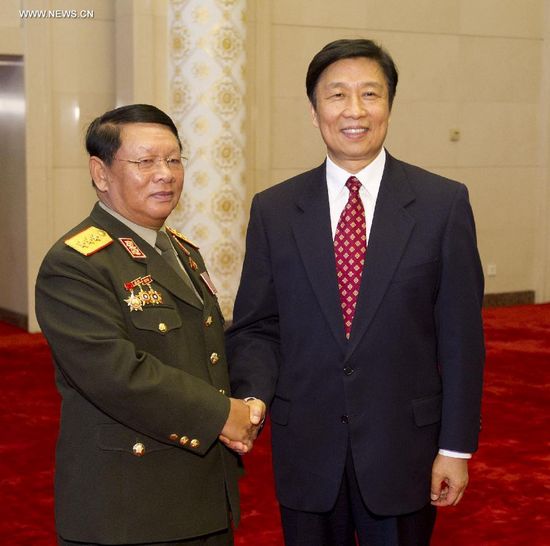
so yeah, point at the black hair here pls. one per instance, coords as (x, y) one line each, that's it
(347, 49)
(103, 134)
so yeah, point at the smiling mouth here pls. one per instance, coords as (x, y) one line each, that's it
(163, 195)
(355, 131)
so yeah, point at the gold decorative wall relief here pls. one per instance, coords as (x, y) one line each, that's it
(207, 89)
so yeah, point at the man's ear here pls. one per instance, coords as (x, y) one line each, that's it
(314, 115)
(99, 173)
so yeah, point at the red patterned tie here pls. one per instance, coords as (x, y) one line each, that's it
(350, 247)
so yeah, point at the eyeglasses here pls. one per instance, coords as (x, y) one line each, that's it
(148, 164)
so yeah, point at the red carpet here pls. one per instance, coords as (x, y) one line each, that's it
(507, 503)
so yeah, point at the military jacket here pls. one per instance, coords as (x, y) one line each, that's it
(142, 372)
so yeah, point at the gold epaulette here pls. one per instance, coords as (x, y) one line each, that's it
(89, 241)
(182, 237)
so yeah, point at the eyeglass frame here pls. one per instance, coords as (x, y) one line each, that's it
(147, 168)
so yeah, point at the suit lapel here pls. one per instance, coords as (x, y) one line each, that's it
(312, 231)
(153, 262)
(391, 229)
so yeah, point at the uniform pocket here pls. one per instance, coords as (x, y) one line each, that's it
(156, 319)
(115, 437)
(414, 271)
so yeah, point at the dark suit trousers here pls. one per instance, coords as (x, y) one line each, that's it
(351, 520)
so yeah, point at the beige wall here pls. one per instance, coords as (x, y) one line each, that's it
(70, 68)
(475, 66)
(479, 66)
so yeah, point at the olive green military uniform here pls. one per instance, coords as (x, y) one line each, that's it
(142, 371)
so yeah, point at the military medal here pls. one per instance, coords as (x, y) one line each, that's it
(136, 302)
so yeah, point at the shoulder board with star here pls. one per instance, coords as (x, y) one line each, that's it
(89, 241)
(181, 236)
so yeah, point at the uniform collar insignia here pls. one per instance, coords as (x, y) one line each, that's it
(130, 245)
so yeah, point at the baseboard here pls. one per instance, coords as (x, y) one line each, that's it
(14, 318)
(526, 297)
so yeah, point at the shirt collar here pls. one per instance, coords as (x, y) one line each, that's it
(370, 176)
(147, 234)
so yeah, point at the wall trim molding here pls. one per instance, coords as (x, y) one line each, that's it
(14, 318)
(502, 299)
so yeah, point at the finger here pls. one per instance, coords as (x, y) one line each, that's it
(435, 489)
(239, 447)
(257, 411)
(452, 495)
(254, 432)
(456, 494)
(458, 498)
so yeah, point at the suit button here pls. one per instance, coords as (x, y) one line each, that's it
(174, 437)
(344, 419)
(348, 370)
(222, 391)
(209, 320)
(214, 358)
(195, 443)
(184, 440)
(138, 450)
(162, 327)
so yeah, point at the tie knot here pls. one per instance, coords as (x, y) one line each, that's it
(163, 241)
(353, 184)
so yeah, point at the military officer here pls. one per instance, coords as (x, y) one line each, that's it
(136, 333)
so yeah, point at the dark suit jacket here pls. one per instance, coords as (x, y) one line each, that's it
(135, 377)
(409, 379)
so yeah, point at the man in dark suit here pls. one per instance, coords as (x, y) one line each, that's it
(136, 334)
(358, 323)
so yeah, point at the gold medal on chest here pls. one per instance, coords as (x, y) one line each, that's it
(145, 296)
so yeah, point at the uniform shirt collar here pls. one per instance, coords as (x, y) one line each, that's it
(147, 234)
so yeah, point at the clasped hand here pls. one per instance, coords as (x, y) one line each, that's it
(243, 424)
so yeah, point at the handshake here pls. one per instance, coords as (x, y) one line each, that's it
(243, 424)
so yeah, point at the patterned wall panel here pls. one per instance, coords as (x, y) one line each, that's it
(207, 87)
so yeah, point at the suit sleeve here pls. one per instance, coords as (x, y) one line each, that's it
(459, 329)
(253, 339)
(78, 311)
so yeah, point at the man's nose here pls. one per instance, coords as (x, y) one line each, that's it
(355, 107)
(162, 170)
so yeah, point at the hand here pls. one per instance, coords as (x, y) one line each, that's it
(238, 427)
(256, 416)
(449, 480)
